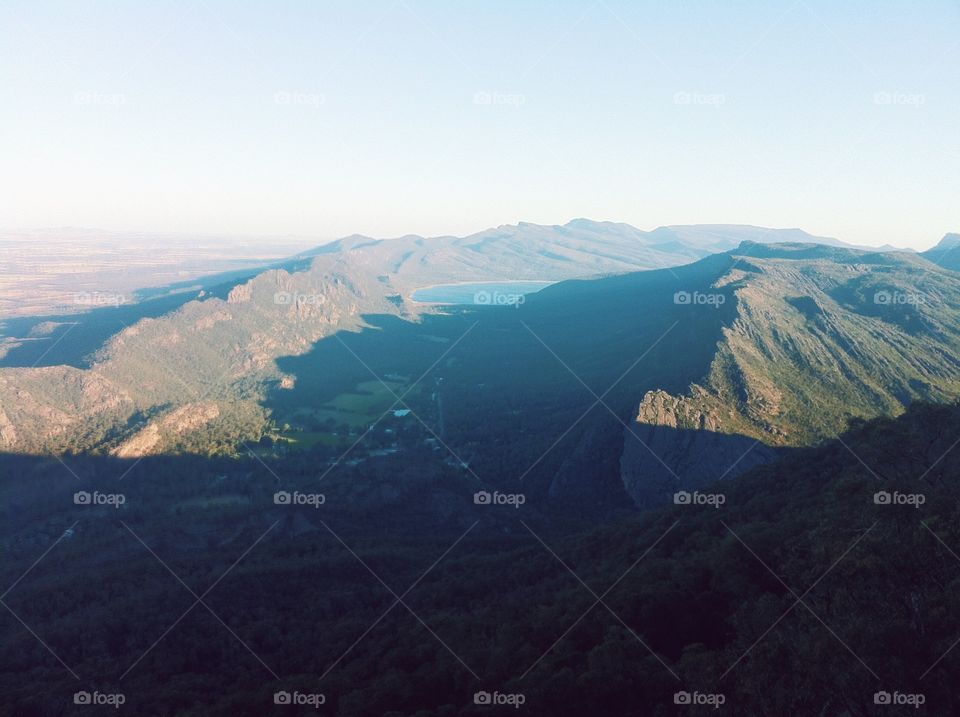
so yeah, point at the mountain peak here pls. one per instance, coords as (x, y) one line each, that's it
(950, 241)
(584, 223)
(945, 252)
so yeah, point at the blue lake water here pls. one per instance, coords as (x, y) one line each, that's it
(481, 293)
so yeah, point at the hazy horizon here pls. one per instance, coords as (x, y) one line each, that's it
(403, 117)
(8, 233)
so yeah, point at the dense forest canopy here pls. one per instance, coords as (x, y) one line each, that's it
(805, 592)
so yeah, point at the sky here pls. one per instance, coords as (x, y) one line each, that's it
(391, 117)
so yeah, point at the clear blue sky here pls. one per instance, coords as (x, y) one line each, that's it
(328, 118)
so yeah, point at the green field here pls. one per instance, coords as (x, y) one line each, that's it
(364, 405)
(357, 408)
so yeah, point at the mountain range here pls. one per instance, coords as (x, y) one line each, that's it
(750, 348)
(733, 476)
(214, 336)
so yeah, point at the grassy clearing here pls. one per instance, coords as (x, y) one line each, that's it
(358, 408)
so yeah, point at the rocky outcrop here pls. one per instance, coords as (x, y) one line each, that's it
(820, 336)
(8, 432)
(675, 445)
(159, 433)
(48, 407)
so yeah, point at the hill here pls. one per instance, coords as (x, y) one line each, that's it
(173, 354)
(821, 335)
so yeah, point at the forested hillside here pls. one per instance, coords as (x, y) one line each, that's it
(711, 591)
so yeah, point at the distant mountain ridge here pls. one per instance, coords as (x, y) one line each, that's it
(946, 253)
(195, 378)
(580, 248)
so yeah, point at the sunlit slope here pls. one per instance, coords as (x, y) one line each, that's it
(821, 335)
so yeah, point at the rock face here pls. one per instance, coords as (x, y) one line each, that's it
(54, 405)
(821, 335)
(165, 430)
(673, 446)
